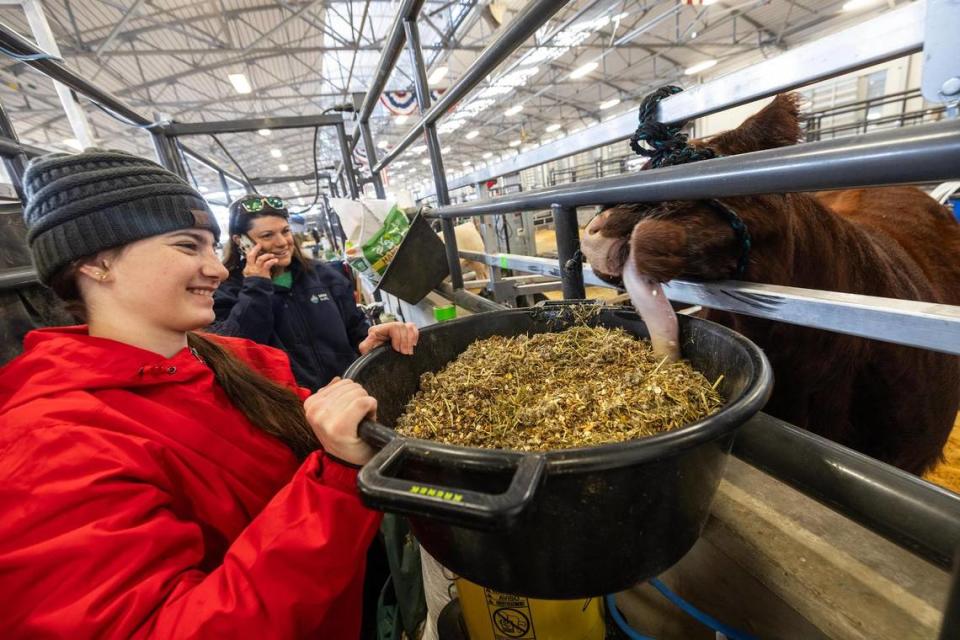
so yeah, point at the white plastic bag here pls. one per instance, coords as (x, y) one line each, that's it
(361, 218)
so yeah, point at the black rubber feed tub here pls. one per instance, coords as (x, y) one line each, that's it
(561, 524)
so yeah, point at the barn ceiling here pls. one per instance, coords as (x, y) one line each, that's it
(172, 59)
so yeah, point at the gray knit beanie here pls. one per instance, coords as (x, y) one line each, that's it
(79, 204)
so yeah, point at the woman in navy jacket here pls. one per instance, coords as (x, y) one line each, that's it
(276, 296)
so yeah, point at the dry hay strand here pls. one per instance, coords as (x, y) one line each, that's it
(584, 386)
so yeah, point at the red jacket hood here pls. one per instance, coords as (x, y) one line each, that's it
(61, 359)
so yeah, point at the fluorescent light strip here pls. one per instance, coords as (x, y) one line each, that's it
(438, 74)
(240, 83)
(700, 66)
(584, 70)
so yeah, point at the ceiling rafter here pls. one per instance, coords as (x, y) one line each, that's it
(173, 56)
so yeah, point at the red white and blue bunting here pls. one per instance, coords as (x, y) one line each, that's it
(360, 156)
(404, 103)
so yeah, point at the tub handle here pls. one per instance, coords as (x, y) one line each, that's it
(380, 487)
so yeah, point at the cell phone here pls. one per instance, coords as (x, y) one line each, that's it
(246, 243)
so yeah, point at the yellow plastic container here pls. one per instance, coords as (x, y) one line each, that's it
(491, 615)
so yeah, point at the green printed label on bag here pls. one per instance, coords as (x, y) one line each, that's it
(504, 264)
(373, 257)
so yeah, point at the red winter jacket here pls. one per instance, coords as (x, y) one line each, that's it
(136, 501)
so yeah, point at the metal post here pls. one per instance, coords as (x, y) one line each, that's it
(433, 148)
(15, 163)
(372, 159)
(923, 153)
(453, 255)
(167, 154)
(163, 152)
(950, 627)
(337, 227)
(892, 34)
(41, 31)
(568, 251)
(892, 503)
(347, 159)
(327, 218)
(225, 187)
(179, 161)
(328, 221)
(17, 277)
(56, 70)
(533, 16)
(213, 166)
(390, 51)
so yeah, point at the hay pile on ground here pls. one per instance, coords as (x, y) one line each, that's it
(580, 387)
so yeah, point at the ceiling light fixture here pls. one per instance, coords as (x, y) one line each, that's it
(383, 144)
(612, 102)
(473, 134)
(700, 66)
(515, 143)
(282, 167)
(514, 110)
(276, 153)
(264, 132)
(488, 154)
(584, 70)
(240, 83)
(438, 74)
(553, 127)
(856, 5)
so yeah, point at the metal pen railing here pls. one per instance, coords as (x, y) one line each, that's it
(920, 154)
(865, 118)
(910, 512)
(167, 154)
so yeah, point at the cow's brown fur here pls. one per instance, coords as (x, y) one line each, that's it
(894, 403)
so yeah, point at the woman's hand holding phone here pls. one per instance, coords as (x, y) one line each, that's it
(258, 263)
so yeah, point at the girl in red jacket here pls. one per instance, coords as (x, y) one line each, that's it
(156, 482)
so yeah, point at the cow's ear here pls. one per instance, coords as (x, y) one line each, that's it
(776, 125)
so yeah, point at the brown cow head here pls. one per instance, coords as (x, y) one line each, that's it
(689, 238)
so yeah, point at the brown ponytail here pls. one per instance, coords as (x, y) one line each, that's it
(272, 407)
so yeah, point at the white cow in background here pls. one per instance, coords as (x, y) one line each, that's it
(469, 239)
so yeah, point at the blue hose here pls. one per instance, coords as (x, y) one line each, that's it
(618, 618)
(700, 616)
